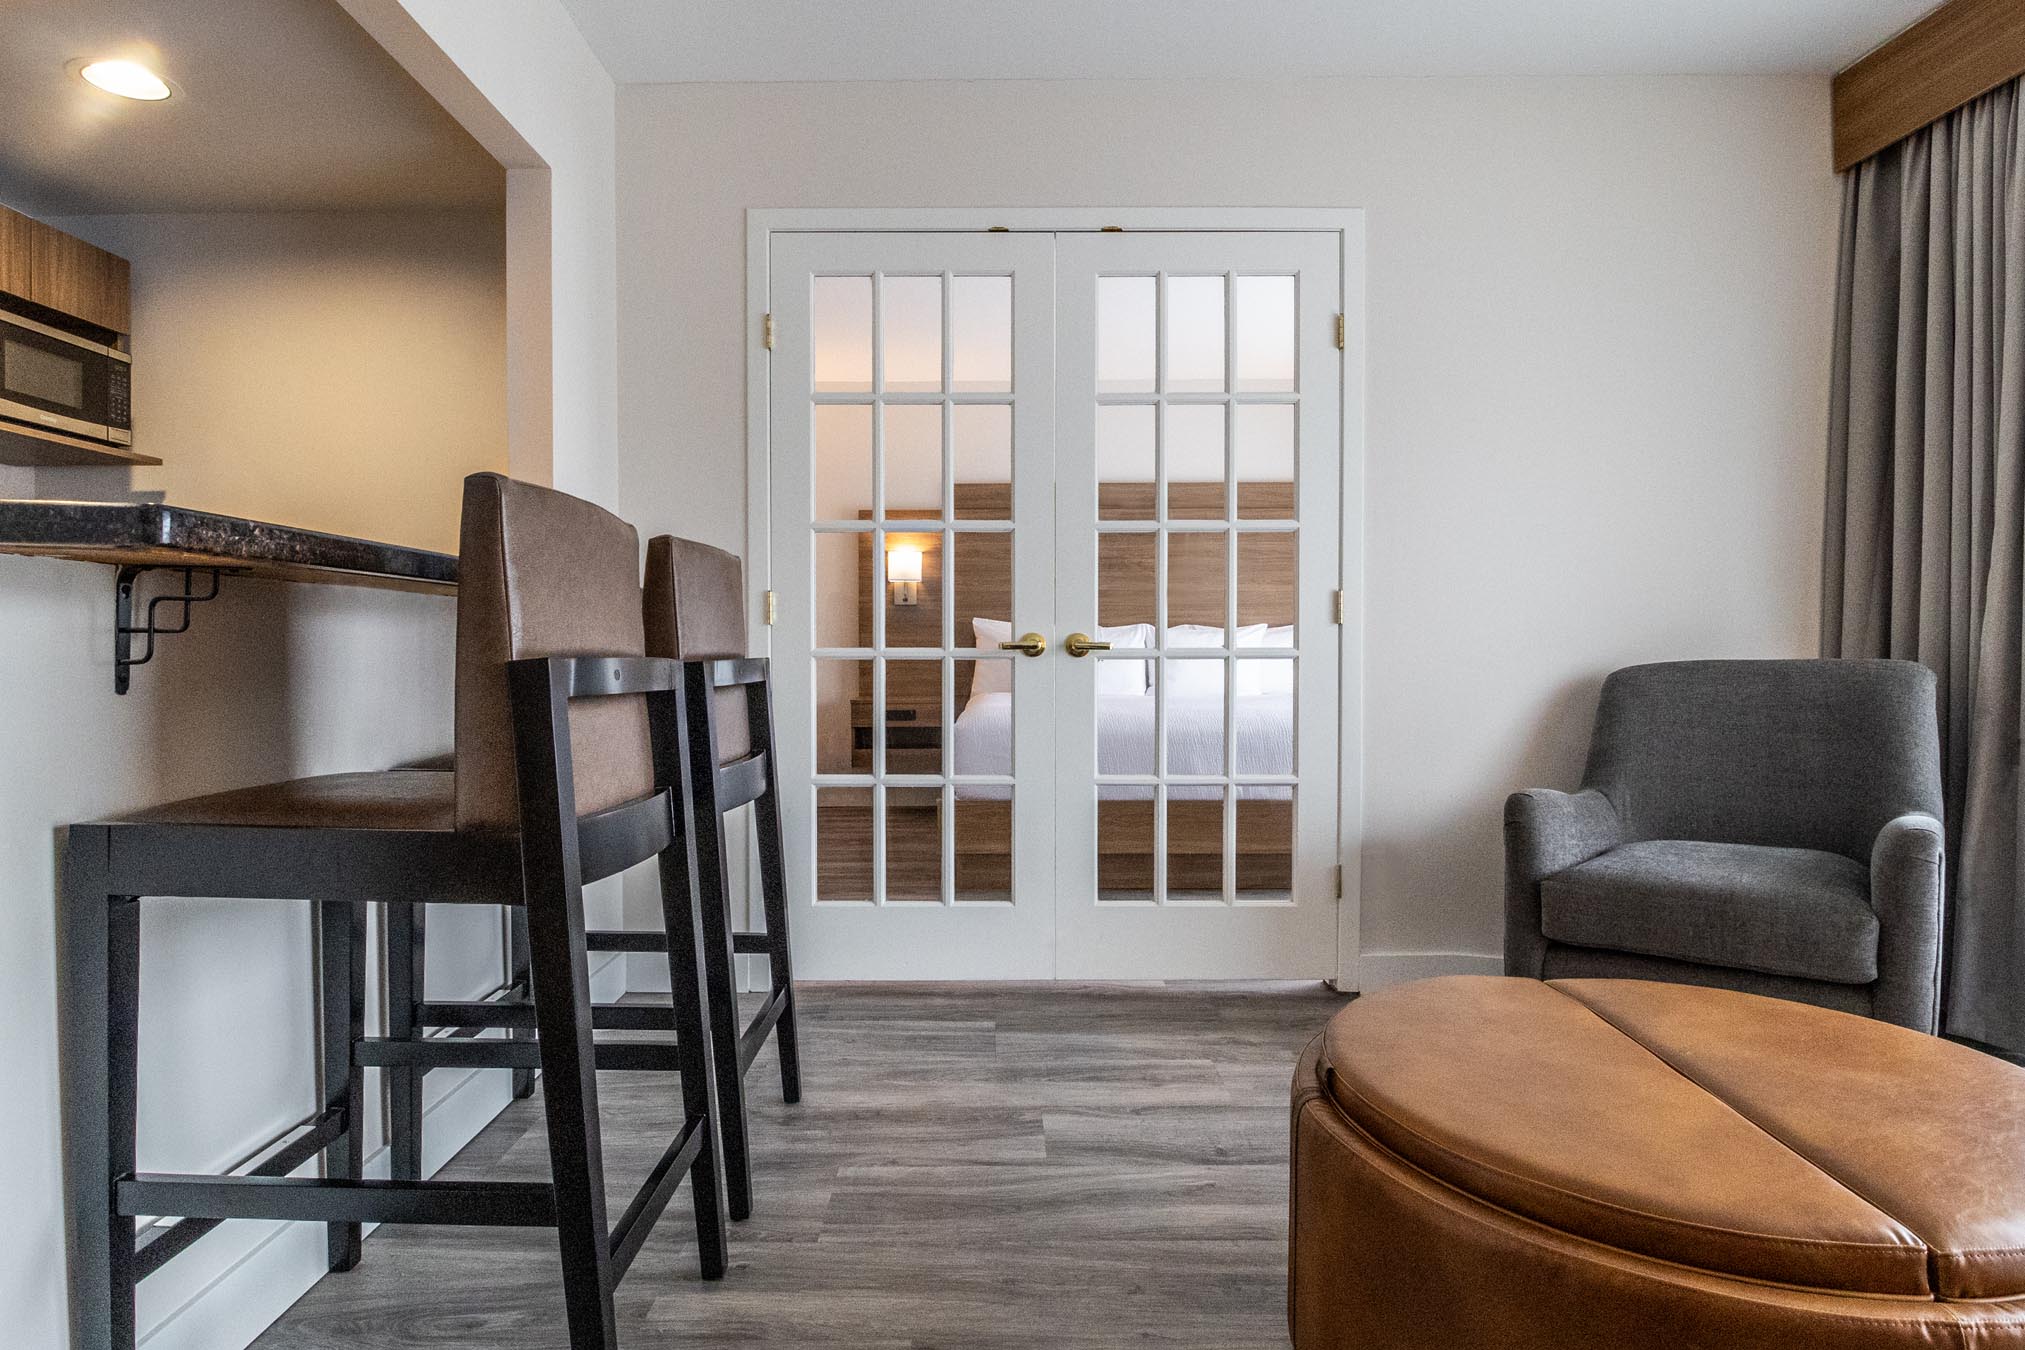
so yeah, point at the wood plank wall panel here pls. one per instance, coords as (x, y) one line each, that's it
(1960, 51)
(15, 232)
(42, 264)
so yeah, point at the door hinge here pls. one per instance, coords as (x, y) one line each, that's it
(998, 229)
(1111, 229)
(1336, 605)
(1339, 881)
(771, 608)
(1339, 333)
(766, 333)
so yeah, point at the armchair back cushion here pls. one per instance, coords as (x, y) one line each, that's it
(1789, 754)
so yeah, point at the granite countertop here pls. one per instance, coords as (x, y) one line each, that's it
(155, 534)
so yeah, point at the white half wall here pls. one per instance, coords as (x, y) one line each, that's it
(1598, 322)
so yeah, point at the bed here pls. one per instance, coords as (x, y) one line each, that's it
(1264, 736)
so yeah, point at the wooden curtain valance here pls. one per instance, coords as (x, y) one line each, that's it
(1959, 52)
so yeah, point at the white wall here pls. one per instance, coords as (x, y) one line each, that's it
(1599, 313)
(335, 371)
(521, 79)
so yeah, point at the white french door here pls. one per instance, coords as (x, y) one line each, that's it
(1055, 528)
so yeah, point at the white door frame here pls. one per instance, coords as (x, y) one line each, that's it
(761, 224)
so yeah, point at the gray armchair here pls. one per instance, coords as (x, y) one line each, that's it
(1769, 826)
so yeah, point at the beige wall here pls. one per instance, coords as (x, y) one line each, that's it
(1598, 316)
(362, 358)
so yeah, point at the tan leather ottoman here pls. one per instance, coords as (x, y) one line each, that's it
(1491, 1162)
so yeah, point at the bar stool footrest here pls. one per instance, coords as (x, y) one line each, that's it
(518, 1014)
(379, 1052)
(630, 1232)
(755, 1034)
(483, 1204)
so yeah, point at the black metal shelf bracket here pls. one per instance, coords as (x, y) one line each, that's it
(125, 630)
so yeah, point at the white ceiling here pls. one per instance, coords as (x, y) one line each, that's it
(282, 105)
(660, 41)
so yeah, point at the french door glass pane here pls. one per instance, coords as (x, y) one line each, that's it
(913, 452)
(984, 830)
(914, 844)
(843, 844)
(980, 453)
(1194, 336)
(1126, 462)
(1195, 461)
(843, 716)
(839, 601)
(843, 335)
(1264, 318)
(983, 577)
(980, 319)
(910, 315)
(1125, 847)
(843, 460)
(1262, 445)
(1125, 334)
(1198, 572)
(1265, 847)
(1195, 838)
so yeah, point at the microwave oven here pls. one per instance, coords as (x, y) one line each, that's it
(62, 382)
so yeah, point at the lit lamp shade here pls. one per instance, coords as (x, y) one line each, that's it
(903, 569)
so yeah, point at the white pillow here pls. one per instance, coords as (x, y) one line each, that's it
(1202, 679)
(990, 677)
(1267, 677)
(1123, 678)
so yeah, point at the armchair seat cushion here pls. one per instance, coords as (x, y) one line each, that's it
(1783, 911)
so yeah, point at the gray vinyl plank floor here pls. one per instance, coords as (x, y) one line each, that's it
(975, 1166)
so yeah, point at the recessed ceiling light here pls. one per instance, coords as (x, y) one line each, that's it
(128, 79)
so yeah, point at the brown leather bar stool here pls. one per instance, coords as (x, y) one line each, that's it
(695, 612)
(570, 767)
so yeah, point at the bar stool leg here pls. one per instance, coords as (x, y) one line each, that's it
(713, 897)
(562, 1005)
(341, 939)
(407, 931)
(516, 952)
(681, 917)
(101, 974)
(773, 887)
(721, 996)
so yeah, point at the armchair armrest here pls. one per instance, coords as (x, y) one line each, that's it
(1547, 832)
(1907, 883)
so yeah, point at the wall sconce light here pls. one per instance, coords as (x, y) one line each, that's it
(903, 570)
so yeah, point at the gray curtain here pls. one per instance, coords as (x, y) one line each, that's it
(1924, 550)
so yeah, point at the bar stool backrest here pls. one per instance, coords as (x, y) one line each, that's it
(542, 573)
(695, 611)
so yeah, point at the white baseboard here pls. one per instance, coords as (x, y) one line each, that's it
(237, 1281)
(1378, 970)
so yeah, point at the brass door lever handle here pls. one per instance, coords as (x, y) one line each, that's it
(1079, 644)
(1032, 644)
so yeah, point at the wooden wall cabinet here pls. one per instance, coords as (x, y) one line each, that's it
(42, 264)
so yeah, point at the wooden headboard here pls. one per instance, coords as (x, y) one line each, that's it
(1125, 575)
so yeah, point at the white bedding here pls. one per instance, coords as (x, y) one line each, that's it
(1265, 742)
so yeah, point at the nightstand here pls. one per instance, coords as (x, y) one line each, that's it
(913, 737)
